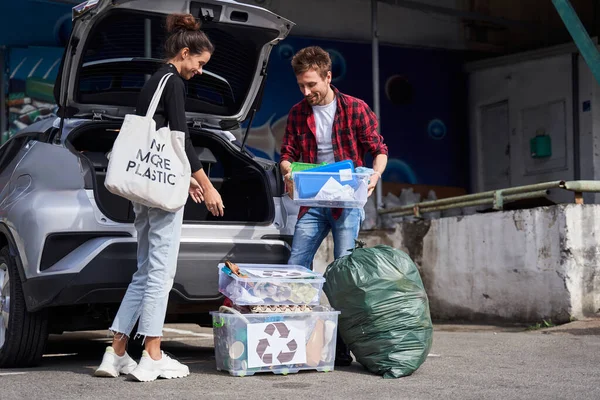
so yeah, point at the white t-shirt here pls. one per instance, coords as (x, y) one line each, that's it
(324, 116)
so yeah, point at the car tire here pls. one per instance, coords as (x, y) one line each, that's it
(23, 335)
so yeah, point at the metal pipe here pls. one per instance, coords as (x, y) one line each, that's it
(496, 197)
(3, 91)
(580, 36)
(480, 202)
(376, 100)
(476, 196)
(575, 108)
(147, 40)
(581, 186)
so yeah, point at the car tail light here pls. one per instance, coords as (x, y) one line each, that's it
(83, 8)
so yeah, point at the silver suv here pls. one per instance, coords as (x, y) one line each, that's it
(68, 246)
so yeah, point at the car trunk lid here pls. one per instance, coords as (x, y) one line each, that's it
(117, 44)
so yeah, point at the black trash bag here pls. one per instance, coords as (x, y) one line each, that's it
(385, 319)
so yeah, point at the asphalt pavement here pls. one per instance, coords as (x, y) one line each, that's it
(466, 362)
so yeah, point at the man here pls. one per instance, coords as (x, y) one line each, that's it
(328, 126)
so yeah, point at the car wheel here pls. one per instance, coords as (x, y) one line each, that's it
(23, 335)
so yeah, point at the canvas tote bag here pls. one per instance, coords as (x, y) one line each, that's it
(149, 166)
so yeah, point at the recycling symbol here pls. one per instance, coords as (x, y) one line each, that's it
(281, 274)
(283, 333)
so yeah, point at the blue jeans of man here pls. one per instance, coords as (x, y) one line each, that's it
(158, 237)
(315, 225)
(311, 229)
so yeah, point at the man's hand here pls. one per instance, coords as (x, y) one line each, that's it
(289, 184)
(288, 178)
(379, 163)
(195, 191)
(372, 183)
(286, 171)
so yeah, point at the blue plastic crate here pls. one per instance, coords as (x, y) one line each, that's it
(310, 182)
(341, 189)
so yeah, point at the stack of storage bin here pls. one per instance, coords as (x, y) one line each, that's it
(276, 324)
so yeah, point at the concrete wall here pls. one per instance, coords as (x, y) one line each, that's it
(520, 266)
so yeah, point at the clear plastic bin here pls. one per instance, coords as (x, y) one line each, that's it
(279, 343)
(343, 189)
(272, 284)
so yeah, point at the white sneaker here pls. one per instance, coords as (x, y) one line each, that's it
(167, 368)
(112, 365)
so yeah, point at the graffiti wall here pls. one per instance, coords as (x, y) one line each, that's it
(34, 34)
(423, 100)
(31, 74)
(35, 22)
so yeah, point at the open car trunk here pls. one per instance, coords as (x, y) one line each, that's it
(246, 187)
(117, 44)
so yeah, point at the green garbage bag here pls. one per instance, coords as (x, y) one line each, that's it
(385, 319)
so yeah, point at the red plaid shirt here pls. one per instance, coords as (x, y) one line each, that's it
(354, 133)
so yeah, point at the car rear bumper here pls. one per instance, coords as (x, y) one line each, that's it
(105, 276)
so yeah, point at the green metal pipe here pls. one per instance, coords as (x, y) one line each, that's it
(532, 188)
(509, 198)
(472, 203)
(500, 196)
(475, 196)
(581, 186)
(580, 36)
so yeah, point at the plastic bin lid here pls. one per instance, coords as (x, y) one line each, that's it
(277, 272)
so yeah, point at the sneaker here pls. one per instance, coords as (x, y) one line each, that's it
(167, 368)
(112, 365)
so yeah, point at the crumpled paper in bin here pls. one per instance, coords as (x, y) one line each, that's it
(332, 190)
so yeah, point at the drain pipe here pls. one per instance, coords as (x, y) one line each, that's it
(376, 102)
(576, 129)
(3, 92)
(147, 41)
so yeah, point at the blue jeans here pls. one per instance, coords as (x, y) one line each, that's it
(314, 226)
(158, 237)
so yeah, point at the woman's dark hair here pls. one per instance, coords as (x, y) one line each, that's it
(184, 31)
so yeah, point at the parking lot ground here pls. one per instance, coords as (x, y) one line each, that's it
(466, 362)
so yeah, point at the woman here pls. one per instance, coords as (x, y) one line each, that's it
(187, 50)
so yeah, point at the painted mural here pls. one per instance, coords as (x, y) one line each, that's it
(423, 94)
(33, 50)
(31, 74)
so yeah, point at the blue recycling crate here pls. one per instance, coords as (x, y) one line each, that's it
(342, 189)
(310, 182)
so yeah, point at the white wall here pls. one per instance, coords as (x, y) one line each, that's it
(530, 79)
(351, 20)
(520, 266)
(589, 91)
(527, 83)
